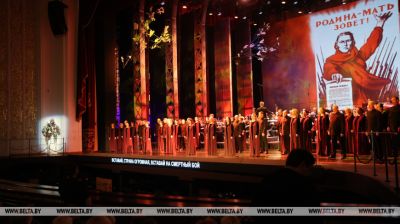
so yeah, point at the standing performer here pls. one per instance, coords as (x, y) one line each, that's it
(360, 126)
(112, 139)
(136, 137)
(212, 136)
(284, 133)
(229, 140)
(305, 132)
(127, 139)
(177, 134)
(132, 136)
(183, 136)
(170, 138)
(336, 132)
(120, 138)
(348, 130)
(321, 131)
(197, 129)
(147, 138)
(191, 138)
(254, 140)
(206, 135)
(294, 129)
(159, 131)
(374, 125)
(238, 133)
(394, 124)
(263, 131)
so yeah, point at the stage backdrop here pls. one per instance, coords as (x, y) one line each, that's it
(300, 74)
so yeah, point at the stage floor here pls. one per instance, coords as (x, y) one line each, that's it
(272, 159)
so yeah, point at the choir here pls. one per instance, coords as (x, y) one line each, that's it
(323, 132)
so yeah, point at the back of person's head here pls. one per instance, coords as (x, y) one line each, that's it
(63, 220)
(207, 220)
(300, 157)
(142, 220)
(230, 220)
(101, 220)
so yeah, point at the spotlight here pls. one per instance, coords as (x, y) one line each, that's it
(210, 14)
(244, 17)
(236, 17)
(184, 6)
(254, 24)
(344, 2)
(295, 3)
(162, 3)
(283, 2)
(269, 2)
(260, 13)
(219, 13)
(300, 12)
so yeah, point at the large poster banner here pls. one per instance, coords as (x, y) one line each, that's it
(356, 46)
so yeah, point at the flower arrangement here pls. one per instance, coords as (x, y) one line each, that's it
(50, 130)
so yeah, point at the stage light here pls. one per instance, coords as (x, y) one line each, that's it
(236, 17)
(344, 2)
(184, 6)
(260, 13)
(254, 24)
(219, 13)
(300, 12)
(210, 14)
(295, 3)
(244, 17)
(283, 2)
(162, 3)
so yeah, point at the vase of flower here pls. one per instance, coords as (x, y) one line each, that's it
(50, 132)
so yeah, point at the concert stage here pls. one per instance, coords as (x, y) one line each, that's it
(241, 168)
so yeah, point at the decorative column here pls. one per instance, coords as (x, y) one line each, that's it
(223, 68)
(244, 75)
(140, 95)
(200, 69)
(171, 67)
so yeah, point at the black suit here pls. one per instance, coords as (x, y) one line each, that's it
(394, 125)
(374, 124)
(336, 132)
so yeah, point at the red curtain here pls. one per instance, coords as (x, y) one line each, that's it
(86, 86)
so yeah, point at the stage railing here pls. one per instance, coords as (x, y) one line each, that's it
(372, 137)
(32, 147)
